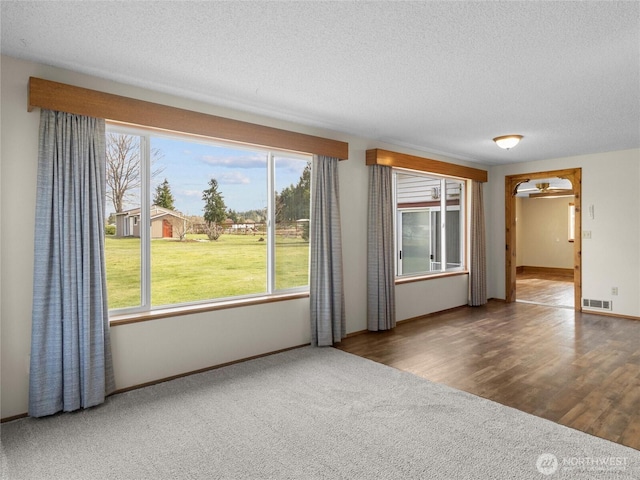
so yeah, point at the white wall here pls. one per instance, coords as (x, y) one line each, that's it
(542, 228)
(418, 298)
(611, 258)
(156, 349)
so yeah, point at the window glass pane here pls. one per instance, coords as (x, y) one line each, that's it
(572, 220)
(415, 235)
(292, 209)
(436, 241)
(122, 241)
(208, 207)
(454, 225)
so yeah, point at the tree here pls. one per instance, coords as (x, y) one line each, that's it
(293, 202)
(233, 215)
(164, 197)
(215, 211)
(123, 168)
(181, 226)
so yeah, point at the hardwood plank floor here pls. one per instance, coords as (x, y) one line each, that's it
(580, 370)
(545, 288)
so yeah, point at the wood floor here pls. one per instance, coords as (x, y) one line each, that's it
(579, 370)
(545, 288)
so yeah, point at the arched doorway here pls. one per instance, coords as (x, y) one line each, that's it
(511, 187)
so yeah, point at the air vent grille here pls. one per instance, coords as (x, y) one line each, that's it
(601, 304)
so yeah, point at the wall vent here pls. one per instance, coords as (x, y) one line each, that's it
(601, 304)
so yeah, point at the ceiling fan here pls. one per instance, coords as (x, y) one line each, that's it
(545, 190)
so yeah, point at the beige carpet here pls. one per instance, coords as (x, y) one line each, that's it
(305, 414)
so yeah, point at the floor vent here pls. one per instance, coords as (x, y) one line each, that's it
(601, 304)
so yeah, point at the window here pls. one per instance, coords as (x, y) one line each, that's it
(572, 222)
(225, 220)
(426, 240)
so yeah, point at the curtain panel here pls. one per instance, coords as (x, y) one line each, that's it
(71, 365)
(381, 298)
(478, 260)
(326, 289)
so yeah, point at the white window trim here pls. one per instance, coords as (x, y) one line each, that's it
(463, 206)
(145, 308)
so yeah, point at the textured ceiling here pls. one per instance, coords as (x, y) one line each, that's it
(442, 77)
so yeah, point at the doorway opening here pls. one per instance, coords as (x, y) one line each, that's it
(535, 283)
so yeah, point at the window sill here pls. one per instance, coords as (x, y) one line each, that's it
(422, 278)
(126, 319)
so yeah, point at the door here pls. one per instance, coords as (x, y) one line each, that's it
(167, 229)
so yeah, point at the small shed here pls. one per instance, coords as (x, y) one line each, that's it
(165, 223)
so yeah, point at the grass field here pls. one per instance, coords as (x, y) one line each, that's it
(198, 269)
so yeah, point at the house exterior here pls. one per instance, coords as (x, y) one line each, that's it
(165, 223)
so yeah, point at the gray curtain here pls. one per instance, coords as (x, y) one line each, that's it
(326, 282)
(381, 292)
(478, 261)
(71, 364)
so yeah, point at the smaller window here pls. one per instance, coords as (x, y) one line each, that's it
(429, 223)
(572, 222)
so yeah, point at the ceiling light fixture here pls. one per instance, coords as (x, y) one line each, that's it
(553, 194)
(507, 141)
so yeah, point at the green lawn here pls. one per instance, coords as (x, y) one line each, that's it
(198, 269)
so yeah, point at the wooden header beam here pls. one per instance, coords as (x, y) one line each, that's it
(68, 98)
(402, 160)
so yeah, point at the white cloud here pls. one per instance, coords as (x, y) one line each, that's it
(191, 193)
(233, 178)
(292, 165)
(249, 161)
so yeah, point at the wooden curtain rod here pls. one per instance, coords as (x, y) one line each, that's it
(82, 101)
(402, 160)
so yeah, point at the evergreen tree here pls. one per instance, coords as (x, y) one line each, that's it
(233, 215)
(164, 197)
(215, 211)
(293, 202)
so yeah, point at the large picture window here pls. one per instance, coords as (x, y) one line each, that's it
(194, 221)
(428, 240)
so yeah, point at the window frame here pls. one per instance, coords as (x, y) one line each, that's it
(463, 206)
(146, 311)
(378, 156)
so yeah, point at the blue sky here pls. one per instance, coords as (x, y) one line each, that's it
(241, 174)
